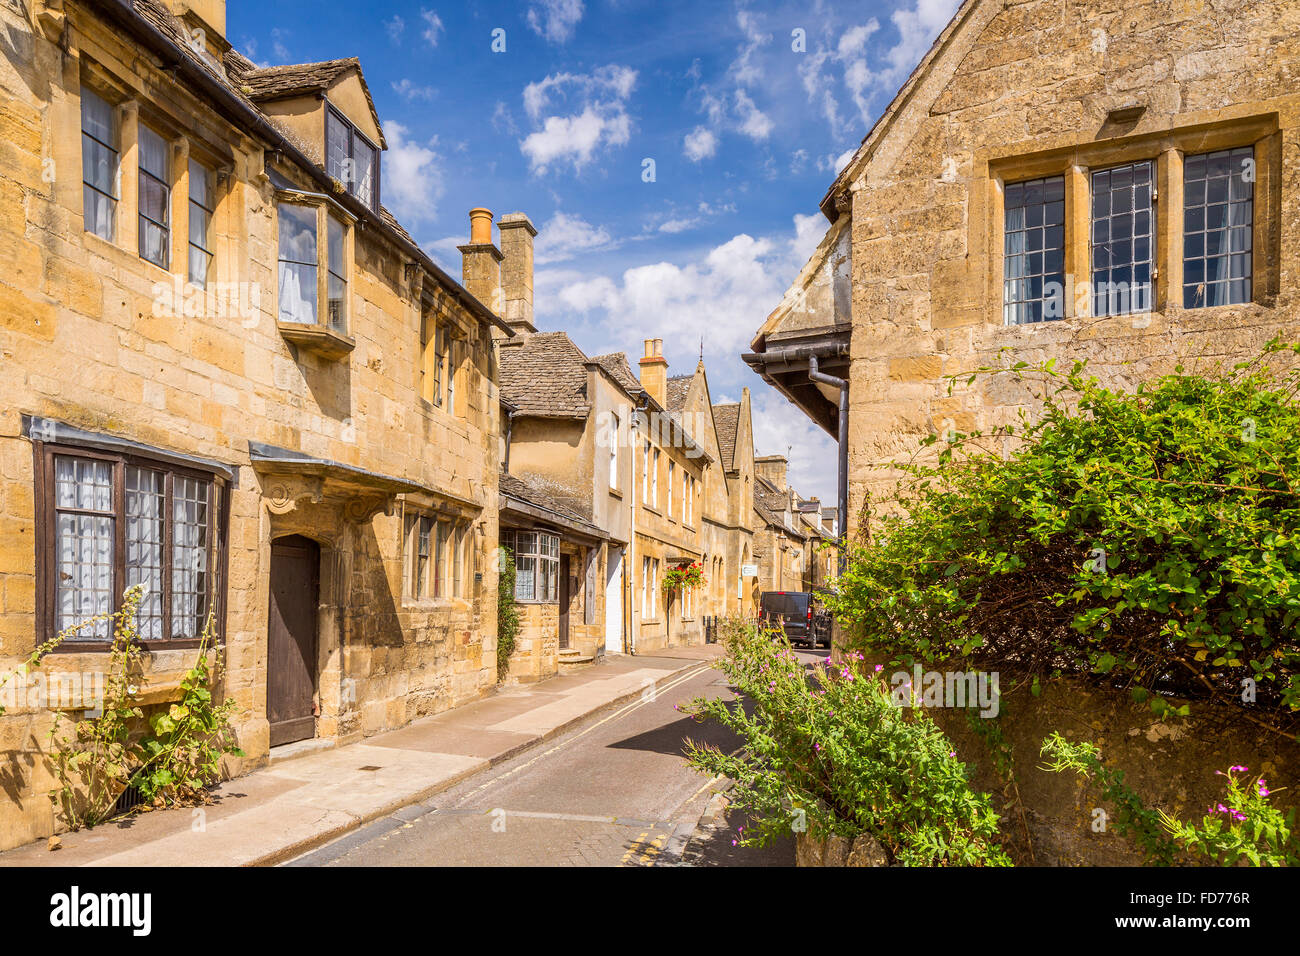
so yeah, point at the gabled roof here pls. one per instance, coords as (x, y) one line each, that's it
(896, 105)
(726, 419)
(544, 375)
(264, 84)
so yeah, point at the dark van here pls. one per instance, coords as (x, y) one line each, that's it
(798, 614)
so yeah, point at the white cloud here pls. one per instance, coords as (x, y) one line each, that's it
(413, 181)
(600, 119)
(409, 91)
(432, 26)
(565, 236)
(917, 29)
(278, 48)
(700, 143)
(395, 28)
(753, 121)
(725, 294)
(779, 426)
(555, 20)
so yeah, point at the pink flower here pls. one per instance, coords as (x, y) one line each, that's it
(1238, 767)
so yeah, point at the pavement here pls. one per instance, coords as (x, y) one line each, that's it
(297, 805)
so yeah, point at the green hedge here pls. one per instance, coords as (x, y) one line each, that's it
(1147, 540)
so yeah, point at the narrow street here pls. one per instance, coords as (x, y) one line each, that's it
(615, 791)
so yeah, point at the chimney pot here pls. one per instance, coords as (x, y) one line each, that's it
(480, 226)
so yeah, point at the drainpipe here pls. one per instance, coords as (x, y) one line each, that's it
(818, 376)
(510, 421)
(642, 404)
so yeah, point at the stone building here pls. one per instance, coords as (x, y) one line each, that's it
(612, 479)
(790, 541)
(1116, 182)
(232, 377)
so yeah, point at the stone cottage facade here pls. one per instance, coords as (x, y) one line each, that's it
(1114, 182)
(232, 377)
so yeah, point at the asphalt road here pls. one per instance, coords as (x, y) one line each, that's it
(614, 791)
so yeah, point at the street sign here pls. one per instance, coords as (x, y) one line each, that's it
(749, 570)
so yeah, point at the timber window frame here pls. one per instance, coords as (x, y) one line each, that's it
(351, 158)
(1254, 142)
(151, 522)
(537, 565)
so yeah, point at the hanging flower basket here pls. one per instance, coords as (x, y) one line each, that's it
(683, 576)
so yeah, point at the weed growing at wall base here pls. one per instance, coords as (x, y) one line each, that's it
(830, 754)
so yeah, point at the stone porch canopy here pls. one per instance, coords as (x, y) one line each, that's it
(289, 476)
(523, 506)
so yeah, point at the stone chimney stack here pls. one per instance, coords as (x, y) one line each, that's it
(481, 261)
(773, 468)
(517, 234)
(654, 371)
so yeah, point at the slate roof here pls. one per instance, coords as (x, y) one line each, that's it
(726, 418)
(617, 365)
(543, 374)
(526, 491)
(678, 386)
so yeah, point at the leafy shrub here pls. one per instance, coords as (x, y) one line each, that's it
(1147, 540)
(507, 611)
(1241, 828)
(835, 756)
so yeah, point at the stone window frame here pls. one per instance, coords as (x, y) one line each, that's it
(218, 535)
(132, 109)
(1167, 149)
(445, 355)
(444, 576)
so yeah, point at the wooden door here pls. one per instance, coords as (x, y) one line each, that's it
(565, 594)
(291, 654)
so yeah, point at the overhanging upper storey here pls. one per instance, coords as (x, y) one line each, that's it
(814, 318)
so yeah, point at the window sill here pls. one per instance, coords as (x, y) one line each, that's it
(317, 338)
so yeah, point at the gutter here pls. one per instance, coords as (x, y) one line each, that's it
(817, 375)
(243, 115)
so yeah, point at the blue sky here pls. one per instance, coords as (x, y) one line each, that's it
(747, 110)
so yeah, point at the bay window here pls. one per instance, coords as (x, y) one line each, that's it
(298, 263)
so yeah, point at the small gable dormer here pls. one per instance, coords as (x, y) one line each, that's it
(326, 108)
